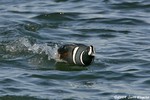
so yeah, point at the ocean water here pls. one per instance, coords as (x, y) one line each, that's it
(32, 30)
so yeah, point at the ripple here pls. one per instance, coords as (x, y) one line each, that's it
(103, 31)
(130, 5)
(12, 97)
(8, 81)
(13, 89)
(147, 82)
(60, 16)
(124, 61)
(127, 21)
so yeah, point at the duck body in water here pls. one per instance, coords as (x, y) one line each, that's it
(76, 54)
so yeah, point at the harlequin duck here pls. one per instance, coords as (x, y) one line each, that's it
(76, 54)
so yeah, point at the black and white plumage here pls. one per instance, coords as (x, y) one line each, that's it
(77, 54)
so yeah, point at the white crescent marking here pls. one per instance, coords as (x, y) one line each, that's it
(81, 58)
(74, 54)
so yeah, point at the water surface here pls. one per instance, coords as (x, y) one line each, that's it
(31, 31)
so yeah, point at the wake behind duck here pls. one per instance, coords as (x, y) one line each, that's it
(72, 53)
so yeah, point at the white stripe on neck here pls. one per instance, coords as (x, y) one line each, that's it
(74, 54)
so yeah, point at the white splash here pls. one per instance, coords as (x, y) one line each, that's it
(24, 44)
(44, 48)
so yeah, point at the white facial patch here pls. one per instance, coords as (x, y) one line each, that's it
(91, 51)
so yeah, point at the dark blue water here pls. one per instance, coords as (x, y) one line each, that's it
(31, 30)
